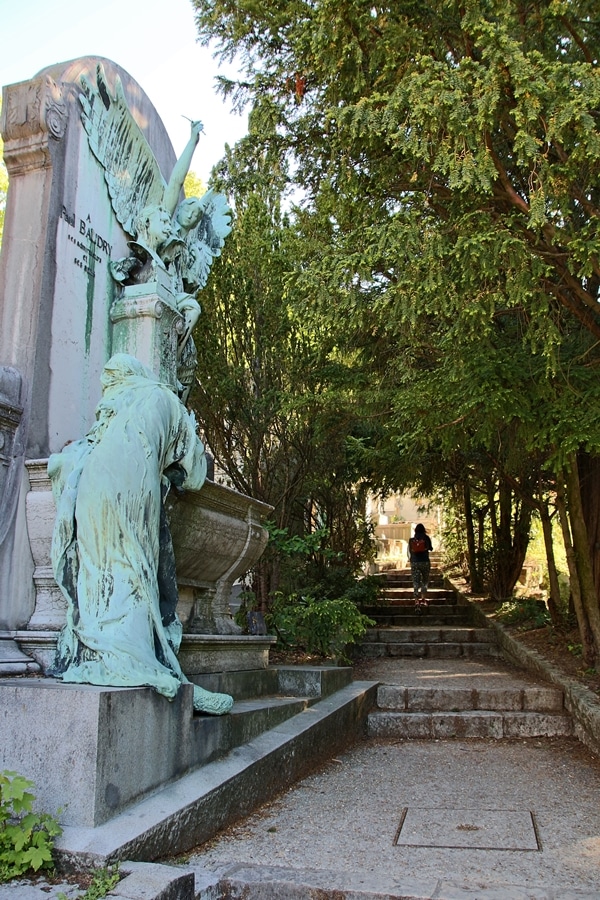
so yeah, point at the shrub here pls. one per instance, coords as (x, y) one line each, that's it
(26, 837)
(529, 614)
(327, 627)
(103, 881)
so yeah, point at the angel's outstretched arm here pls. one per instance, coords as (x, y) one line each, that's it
(180, 170)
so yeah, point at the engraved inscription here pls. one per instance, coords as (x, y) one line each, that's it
(91, 247)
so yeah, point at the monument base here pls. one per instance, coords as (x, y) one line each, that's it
(202, 654)
(92, 751)
(199, 654)
(13, 661)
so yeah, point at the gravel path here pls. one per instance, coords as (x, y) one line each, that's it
(523, 813)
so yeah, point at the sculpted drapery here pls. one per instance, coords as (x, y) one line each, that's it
(111, 550)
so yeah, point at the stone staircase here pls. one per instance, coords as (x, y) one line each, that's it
(445, 631)
(398, 590)
(436, 713)
(286, 720)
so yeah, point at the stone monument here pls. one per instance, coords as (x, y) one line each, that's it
(102, 257)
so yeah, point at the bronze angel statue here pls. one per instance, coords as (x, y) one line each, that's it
(182, 237)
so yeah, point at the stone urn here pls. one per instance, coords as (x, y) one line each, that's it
(218, 534)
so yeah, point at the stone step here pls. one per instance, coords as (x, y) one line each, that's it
(429, 634)
(472, 650)
(405, 581)
(391, 574)
(436, 603)
(264, 699)
(406, 577)
(248, 719)
(531, 698)
(482, 724)
(288, 681)
(398, 597)
(408, 617)
(411, 619)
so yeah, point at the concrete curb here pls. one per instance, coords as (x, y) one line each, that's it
(241, 881)
(581, 703)
(152, 881)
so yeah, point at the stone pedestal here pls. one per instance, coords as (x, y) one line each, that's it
(203, 654)
(146, 324)
(96, 749)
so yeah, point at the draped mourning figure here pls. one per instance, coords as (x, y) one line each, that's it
(111, 551)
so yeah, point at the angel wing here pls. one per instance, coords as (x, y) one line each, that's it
(205, 241)
(131, 171)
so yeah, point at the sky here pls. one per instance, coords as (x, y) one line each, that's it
(153, 40)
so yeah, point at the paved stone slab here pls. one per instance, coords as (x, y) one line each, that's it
(479, 829)
(246, 881)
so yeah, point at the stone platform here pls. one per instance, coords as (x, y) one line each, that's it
(94, 752)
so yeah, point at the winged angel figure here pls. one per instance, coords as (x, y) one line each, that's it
(181, 237)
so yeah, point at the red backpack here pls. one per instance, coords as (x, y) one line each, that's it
(418, 545)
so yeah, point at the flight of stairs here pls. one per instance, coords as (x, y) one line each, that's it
(436, 713)
(444, 631)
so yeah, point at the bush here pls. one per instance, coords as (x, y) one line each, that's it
(322, 626)
(529, 614)
(338, 581)
(26, 837)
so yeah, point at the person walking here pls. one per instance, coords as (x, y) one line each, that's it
(419, 547)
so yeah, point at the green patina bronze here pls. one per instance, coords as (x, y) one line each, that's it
(111, 550)
(182, 238)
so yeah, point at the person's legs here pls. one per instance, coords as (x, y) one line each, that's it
(425, 582)
(416, 579)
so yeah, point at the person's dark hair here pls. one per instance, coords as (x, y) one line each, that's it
(420, 529)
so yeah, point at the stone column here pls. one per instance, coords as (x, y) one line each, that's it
(146, 324)
(33, 124)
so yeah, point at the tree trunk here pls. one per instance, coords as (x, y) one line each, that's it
(510, 546)
(474, 576)
(582, 555)
(589, 478)
(481, 513)
(554, 606)
(587, 641)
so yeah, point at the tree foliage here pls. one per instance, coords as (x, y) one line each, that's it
(193, 185)
(274, 396)
(447, 157)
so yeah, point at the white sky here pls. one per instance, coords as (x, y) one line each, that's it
(153, 40)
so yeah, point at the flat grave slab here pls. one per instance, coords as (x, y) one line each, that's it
(475, 829)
